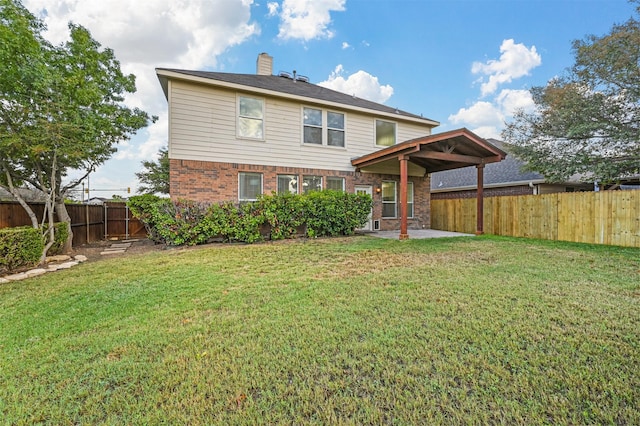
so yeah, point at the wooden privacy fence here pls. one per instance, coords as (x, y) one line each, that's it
(606, 217)
(89, 223)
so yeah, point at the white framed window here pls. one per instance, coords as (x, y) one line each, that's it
(250, 117)
(311, 183)
(249, 186)
(312, 126)
(335, 183)
(389, 200)
(410, 199)
(385, 133)
(320, 127)
(335, 129)
(287, 183)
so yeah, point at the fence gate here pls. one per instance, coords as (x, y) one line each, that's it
(119, 223)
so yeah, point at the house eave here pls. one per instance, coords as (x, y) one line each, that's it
(165, 75)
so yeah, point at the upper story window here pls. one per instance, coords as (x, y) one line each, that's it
(322, 127)
(385, 133)
(250, 117)
(335, 129)
(312, 126)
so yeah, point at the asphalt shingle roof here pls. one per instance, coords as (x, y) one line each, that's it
(297, 88)
(506, 171)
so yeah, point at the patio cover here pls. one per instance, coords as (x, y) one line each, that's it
(417, 157)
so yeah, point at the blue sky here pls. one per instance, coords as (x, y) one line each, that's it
(464, 63)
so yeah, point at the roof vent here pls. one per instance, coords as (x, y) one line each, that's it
(285, 75)
(303, 78)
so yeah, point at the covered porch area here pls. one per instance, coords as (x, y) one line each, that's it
(419, 157)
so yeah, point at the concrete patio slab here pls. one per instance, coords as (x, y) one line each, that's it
(417, 234)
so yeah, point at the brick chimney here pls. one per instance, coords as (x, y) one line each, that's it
(264, 65)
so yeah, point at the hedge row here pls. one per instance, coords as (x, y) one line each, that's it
(275, 217)
(22, 246)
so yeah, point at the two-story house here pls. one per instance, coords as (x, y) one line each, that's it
(236, 136)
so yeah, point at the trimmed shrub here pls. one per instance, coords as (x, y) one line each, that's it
(236, 223)
(333, 213)
(144, 208)
(20, 247)
(184, 222)
(284, 213)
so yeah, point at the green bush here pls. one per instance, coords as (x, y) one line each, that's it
(236, 223)
(184, 222)
(284, 213)
(20, 247)
(60, 235)
(333, 213)
(144, 208)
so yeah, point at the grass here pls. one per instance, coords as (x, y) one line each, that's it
(346, 331)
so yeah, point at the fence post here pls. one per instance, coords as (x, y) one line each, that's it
(126, 221)
(106, 221)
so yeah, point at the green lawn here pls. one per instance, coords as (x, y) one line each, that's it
(349, 331)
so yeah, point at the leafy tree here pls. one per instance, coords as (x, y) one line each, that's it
(587, 122)
(155, 179)
(61, 108)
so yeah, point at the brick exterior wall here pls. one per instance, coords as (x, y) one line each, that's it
(488, 192)
(216, 182)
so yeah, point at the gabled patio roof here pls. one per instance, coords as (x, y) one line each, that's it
(443, 151)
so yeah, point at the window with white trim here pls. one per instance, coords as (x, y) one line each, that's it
(335, 183)
(389, 200)
(250, 117)
(410, 199)
(249, 186)
(311, 183)
(321, 127)
(287, 183)
(385, 133)
(335, 129)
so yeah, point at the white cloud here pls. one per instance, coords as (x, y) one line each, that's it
(360, 84)
(307, 19)
(273, 8)
(144, 35)
(516, 60)
(487, 118)
(345, 45)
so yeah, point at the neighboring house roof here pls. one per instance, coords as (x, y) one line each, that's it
(286, 87)
(508, 172)
(28, 194)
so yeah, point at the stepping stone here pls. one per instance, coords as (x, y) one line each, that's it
(80, 258)
(35, 272)
(67, 265)
(16, 277)
(58, 258)
(120, 246)
(112, 251)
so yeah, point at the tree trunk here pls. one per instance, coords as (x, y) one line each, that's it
(17, 196)
(63, 216)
